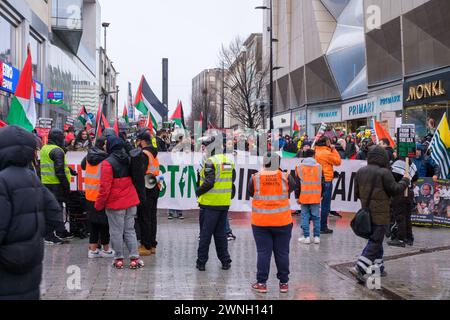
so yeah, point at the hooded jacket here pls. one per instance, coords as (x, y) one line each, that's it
(56, 137)
(25, 208)
(117, 191)
(311, 162)
(378, 173)
(328, 158)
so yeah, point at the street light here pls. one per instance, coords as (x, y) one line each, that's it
(105, 25)
(272, 40)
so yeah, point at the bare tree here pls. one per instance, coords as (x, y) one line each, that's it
(210, 113)
(244, 82)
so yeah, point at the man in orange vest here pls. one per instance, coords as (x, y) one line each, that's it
(310, 181)
(147, 212)
(98, 221)
(272, 221)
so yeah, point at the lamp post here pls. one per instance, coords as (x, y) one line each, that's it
(105, 25)
(272, 40)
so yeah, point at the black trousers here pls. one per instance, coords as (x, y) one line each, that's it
(98, 232)
(147, 223)
(373, 253)
(212, 223)
(401, 213)
(53, 226)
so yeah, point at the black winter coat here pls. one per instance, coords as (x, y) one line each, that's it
(26, 206)
(377, 172)
(62, 190)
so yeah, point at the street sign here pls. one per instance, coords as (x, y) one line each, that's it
(407, 141)
(55, 97)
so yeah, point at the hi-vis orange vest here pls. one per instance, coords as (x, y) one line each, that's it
(270, 205)
(92, 182)
(153, 164)
(311, 184)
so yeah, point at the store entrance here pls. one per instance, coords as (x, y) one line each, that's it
(353, 125)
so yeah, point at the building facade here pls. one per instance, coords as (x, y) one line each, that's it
(347, 62)
(64, 36)
(207, 95)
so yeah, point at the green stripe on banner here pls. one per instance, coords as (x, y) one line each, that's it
(444, 158)
(285, 154)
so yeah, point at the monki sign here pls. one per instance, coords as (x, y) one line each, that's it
(426, 90)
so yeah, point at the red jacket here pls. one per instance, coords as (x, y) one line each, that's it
(117, 191)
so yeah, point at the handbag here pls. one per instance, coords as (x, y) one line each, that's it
(362, 222)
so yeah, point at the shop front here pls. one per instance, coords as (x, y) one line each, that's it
(426, 100)
(388, 107)
(282, 123)
(358, 114)
(330, 115)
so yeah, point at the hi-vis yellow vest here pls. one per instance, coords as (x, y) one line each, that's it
(48, 175)
(220, 195)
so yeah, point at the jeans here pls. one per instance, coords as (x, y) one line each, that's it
(276, 240)
(212, 223)
(373, 253)
(326, 205)
(311, 212)
(121, 229)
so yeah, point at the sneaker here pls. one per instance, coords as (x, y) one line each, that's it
(259, 287)
(180, 216)
(201, 267)
(316, 240)
(94, 254)
(409, 242)
(65, 235)
(107, 254)
(305, 240)
(118, 264)
(170, 217)
(359, 276)
(53, 241)
(326, 231)
(397, 243)
(231, 237)
(136, 263)
(153, 251)
(144, 252)
(226, 266)
(284, 287)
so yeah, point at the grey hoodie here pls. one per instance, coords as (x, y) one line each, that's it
(310, 162)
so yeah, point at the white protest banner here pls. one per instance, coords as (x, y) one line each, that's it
(180, 171)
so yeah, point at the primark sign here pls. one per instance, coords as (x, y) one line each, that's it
(359, 109)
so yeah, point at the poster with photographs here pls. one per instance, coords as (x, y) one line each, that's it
(432, 203)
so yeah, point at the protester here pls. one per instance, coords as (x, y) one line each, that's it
(364, 151)
(306, 145)
(83, 141)
(310, 182)
(214, 198)
(327, 157)
(378, 178)
(119, 197)
(386, 145)
(56, 176)
(350, 148)
(26, 206)
(69, 136)
(340, 148)
(147, 217)
(98, 221)
(426, 167)
(271, 221)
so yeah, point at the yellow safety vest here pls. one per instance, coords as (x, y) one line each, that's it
(48, 175)
(220, 194)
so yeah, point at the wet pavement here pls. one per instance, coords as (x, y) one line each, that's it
(414, 272)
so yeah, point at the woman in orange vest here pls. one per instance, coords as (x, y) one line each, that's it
(272, 221)
(98, 221)
(309, 178)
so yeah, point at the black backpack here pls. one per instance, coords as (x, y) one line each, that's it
(137, 172)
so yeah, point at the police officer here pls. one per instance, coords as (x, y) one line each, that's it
(56, 176)
(147, 212)
(272, 221)
(214, 198)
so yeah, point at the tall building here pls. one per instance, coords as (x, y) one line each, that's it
(65, 39)
(346, 62)
(207, 95)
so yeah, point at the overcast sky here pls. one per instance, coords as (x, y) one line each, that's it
(188, 33)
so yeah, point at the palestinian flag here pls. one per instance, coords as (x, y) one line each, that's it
(83, 116)
(98, 122)
(296, 129)
(149, 123)
(23, 110)
(3, 124)
(116, 126)
(125, 114)
(147, 103)
(178, 116)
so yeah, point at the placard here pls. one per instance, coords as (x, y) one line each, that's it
(407, 141)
